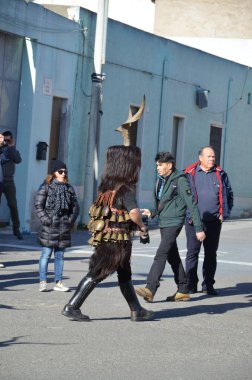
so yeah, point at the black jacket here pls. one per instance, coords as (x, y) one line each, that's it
(12, 157)
(55, 230)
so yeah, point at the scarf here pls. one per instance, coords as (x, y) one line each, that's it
(59, 198)
(161, 184)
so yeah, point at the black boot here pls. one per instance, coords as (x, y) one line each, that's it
(138, 313)
(72, 308)
(18, 234)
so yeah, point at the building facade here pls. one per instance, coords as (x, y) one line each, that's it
(203, 18)
(192, 99)
(221, 27)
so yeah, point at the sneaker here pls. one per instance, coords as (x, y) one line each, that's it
(178, 297)
(60, 287)
(43, 286)
(2, 265)
(145, 293)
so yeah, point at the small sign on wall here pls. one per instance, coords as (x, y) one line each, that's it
(47, 86)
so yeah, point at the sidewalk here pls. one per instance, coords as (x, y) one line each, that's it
(206, 338)
(31, 239)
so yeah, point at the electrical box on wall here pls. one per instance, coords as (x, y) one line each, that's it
(41, 150)
(202, 98)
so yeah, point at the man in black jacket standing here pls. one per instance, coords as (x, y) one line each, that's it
(13, 157)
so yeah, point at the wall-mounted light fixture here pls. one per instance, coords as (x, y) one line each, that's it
(41, 150)
(202, 98)
(249, 98)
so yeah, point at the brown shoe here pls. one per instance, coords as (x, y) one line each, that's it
(178, 297)
(145, 293)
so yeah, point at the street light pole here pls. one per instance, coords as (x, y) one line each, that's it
(91, 172)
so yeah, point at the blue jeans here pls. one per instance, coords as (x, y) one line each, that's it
(58, 262)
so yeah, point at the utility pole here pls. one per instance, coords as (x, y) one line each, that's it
(91, 172)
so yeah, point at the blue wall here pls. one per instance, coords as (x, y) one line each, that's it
(137, 64)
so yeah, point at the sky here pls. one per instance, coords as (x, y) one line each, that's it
(141, 13)
(137, 13)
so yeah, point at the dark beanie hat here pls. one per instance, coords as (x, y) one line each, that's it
(56, 165)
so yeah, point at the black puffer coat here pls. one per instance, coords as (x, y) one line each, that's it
(55, 230)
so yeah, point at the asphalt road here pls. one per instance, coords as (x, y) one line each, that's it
(205, 338)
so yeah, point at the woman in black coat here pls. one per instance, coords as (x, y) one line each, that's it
(57, 207)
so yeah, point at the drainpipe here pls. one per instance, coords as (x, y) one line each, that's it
(92, 158)
(161, 105)
(226, 123)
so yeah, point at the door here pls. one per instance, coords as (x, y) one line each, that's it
(10, 71)
(177, 148)
(215, 142)
(58, 140)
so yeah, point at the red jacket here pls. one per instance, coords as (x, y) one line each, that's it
(225, 193)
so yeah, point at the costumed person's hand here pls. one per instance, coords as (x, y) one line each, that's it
(145, 211)
(144, 235)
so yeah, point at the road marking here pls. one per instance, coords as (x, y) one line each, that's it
(150, 256)
(233, 262)
(87, 250)
(200, 259)
(28, 247)
(202, 252)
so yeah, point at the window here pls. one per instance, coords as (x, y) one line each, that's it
(177, 148)
(133, 127)
(215, 141)
(129, 128)
(58, 129)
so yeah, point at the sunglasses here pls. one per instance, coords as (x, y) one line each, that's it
(7, 140)
(61, 171)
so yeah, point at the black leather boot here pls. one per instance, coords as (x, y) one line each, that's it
(138, 313)
(72, 308)
(18, 234)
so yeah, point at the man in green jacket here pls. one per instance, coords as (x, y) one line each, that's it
(172, 197)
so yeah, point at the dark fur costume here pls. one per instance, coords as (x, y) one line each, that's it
(110, 256)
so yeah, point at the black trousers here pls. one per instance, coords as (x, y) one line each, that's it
(124, 274)
(212, 230)
(9, 190)
(167, 251)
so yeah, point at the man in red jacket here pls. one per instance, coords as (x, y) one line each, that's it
(214, 197)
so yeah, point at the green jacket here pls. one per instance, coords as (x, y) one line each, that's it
(175, 199)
